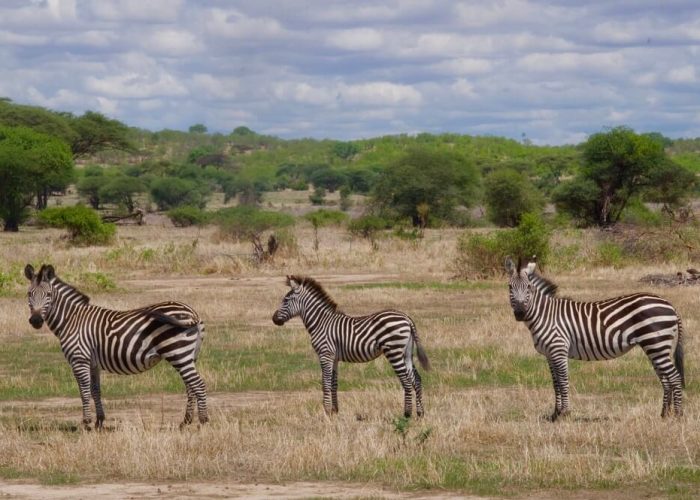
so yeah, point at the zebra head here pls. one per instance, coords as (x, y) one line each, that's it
(39, 294)
(519, 287)
(291, 303)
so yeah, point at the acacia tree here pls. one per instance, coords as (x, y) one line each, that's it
(508, 195)
(30, 162)
(618, 165)
(436, 180)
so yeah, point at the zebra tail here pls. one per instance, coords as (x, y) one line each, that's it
(678, 355)
(422, 356)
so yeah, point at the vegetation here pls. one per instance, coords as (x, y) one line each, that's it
(84, 224)
(31, 164)
(508, 195)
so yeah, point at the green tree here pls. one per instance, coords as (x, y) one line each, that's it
(89, 187)
(198, 128)
(30, 163)
(618, 165)
(508, 195)
(121, 190)
(321, 218)
(250, 223)
(441, 179)
(345, 150)
(95, 132)
(171, 192)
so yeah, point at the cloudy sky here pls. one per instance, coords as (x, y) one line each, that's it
(554, 70)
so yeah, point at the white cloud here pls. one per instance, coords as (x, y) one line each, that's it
(136, 10)
(380, 93)
(463, 88)
(235, 24)
(683, 74)
(356, 39)
(135, 85)
(173, 42)
(463, 66)
(212, 87)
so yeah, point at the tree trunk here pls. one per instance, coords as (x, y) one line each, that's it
(11, 226)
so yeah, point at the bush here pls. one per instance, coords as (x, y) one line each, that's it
(245, 221)
(368, 227)
(482, 256)
(171, 192)
(84, 224)
(188, 216)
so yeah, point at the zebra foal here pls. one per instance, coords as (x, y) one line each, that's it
(335, 337)
(606, 329)
(125, 342)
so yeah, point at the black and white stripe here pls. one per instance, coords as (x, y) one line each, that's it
(336, 337)
(93, 338)
(563, 328)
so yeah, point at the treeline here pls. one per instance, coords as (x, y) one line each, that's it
(422, 180)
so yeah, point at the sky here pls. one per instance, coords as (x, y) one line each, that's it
(550, 71)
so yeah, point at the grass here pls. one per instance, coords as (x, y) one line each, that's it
(484, 433)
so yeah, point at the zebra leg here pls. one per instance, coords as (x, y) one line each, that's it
(557, 392)
(418, 387)
(396, 358)
(196, 389)
(559, 365)
(670, 380)
(334, 388)
(81, 371)
(96, 396)
(327, 383)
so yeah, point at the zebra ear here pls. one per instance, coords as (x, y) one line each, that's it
(47, 272)
(530, 268)
(510, 267)
(293, 283)
(29, 272)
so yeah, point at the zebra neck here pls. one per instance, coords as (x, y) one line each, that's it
(539, 305)
(316, 318)
(65, 303)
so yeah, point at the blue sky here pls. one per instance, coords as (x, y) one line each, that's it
(555, 71)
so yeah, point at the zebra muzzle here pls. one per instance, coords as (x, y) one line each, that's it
(277, 319)
(36, 320)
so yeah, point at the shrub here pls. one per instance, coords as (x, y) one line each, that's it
(368, 227)
(171, 192)
(84, 224)
(248, 222)
(188, 216)
(482, 256)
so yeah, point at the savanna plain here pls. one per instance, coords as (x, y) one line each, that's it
(485, 431)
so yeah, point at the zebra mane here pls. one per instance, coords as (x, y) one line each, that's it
(314, 285)
(64, 287)
(543, 285)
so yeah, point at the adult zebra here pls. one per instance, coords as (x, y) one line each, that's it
(124, 342)
(335, 337)
(563, 328)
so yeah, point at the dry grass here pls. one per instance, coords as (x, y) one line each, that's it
(484, 431)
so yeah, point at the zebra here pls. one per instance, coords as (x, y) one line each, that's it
(562, 328)
(123, 342)
(336, 337)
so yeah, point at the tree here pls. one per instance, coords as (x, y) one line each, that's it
(321, 218)
(30, 163)
(89, 187)
(170, 192)
(345, 150)
(84, 224)
(327, 178)
(95, 132)
(441, 179)
(121, 189)
(249, 222)
(508, 195)
(620, 164)
(198, 128)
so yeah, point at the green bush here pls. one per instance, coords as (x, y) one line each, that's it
(188, 216)
(84, 224)
(482, 255)
(368, 227)
(637, 213)
(508, 195)
(171, 192)
(245, 221)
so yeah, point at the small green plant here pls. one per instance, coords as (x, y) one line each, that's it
(610, 254)
(84, 224)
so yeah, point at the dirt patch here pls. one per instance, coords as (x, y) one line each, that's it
(207, 490)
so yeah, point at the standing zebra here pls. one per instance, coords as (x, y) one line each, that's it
(335, 336)
(563, 328)
(124, 342)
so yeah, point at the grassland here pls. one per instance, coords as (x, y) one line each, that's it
(485, 431)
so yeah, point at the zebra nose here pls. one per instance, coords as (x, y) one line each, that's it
(277, 319)
(36, 320)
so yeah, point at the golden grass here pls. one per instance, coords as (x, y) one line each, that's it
(486, 399)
